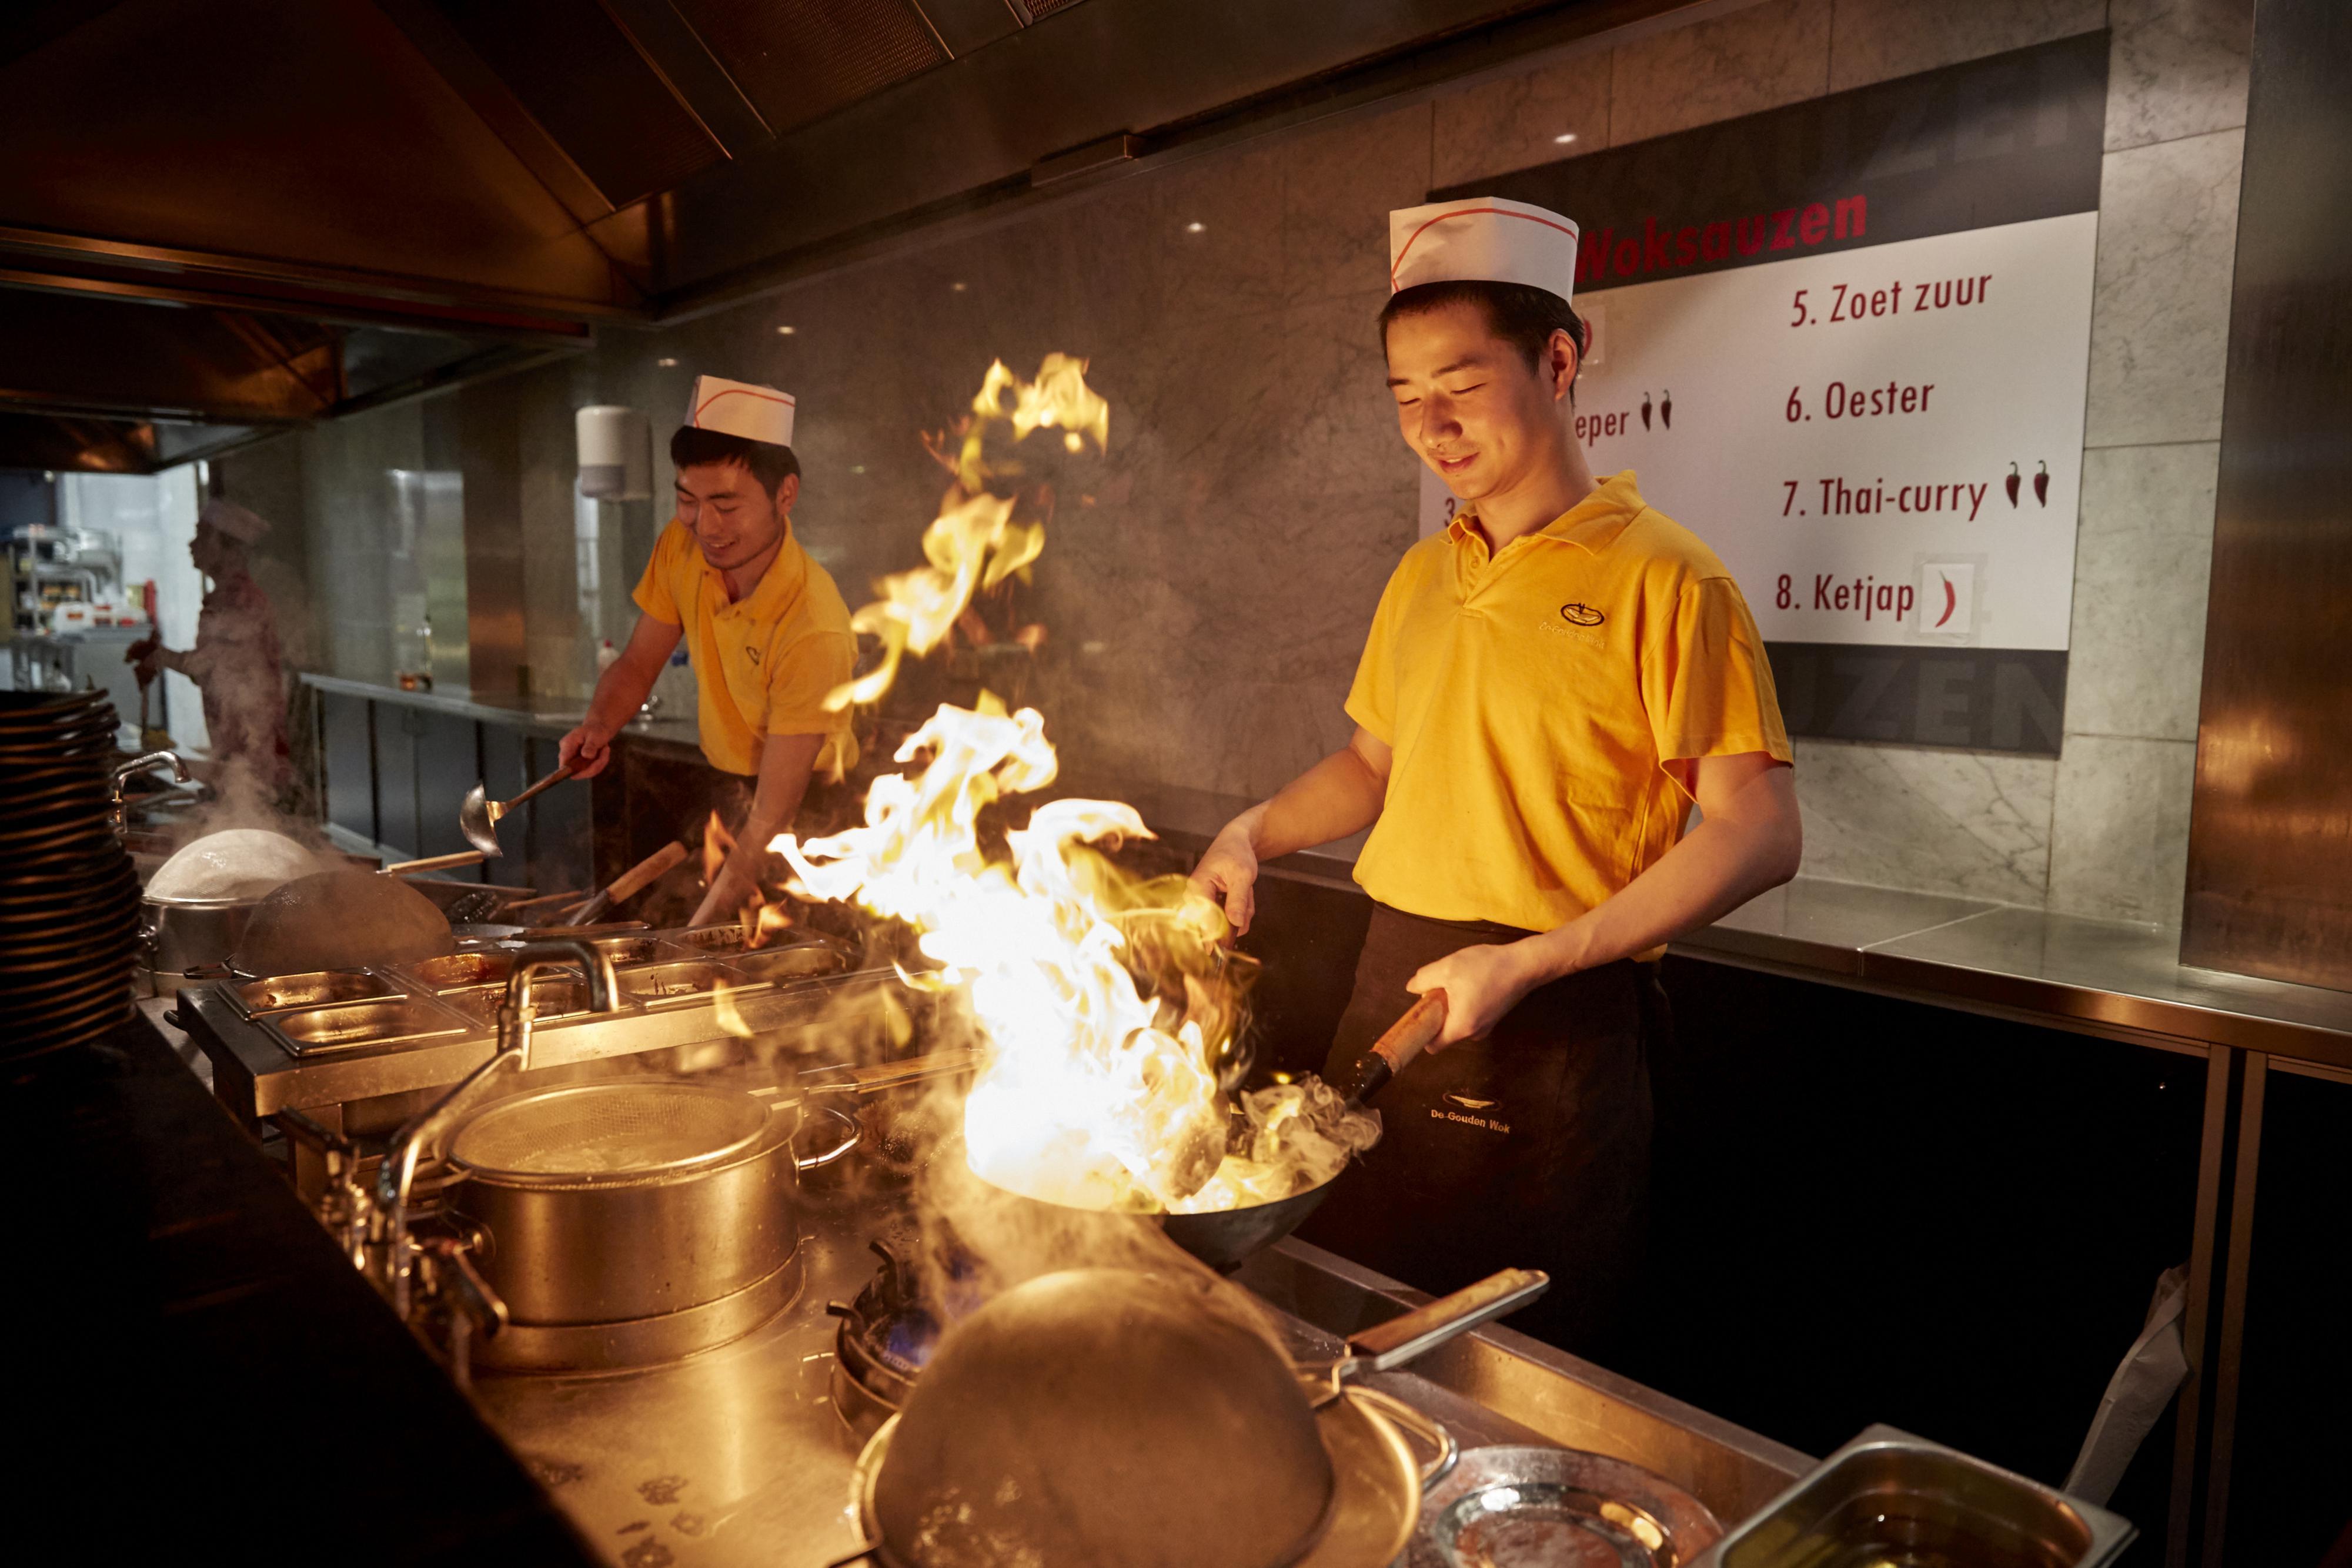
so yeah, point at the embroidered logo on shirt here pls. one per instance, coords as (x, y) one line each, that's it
(1581, 615)
(1469, 1104)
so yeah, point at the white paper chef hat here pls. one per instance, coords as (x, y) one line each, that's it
(739, 408)
(1482, 239)
(235, 521)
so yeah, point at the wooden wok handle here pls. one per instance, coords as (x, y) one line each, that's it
(1399, 1340)
(1395, 1050)
(627, 885)
(435, 862)
(1413, 1033)
(635, 880)
(550, 782)
(884, 1075)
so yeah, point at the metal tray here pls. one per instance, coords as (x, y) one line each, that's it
(1889, 1499)
(710, 938)
(453, 971)
(353, 1025)
(625, 950)
(1507, 1505)
(319, 987)
(556, 995)
(798, 961)
(684, 981)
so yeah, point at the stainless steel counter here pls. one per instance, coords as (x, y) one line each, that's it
(553, 716)
(737, 1456)
(2098, 977)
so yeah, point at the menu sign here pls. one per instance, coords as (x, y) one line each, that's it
(1847, 344)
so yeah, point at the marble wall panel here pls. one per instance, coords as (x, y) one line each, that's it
(1339, 187)
(1972, 823)
(2177, 67)
(1335, 414)
(1877, 40)
(1516, 121)
(1740, 63)
(2160, 304)
(1232, 264)
(2121, 828)
(2143, 553)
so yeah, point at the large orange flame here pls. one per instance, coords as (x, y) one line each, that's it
(1108, 1011)
(976, 543)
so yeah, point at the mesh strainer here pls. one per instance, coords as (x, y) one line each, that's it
(631, 1130)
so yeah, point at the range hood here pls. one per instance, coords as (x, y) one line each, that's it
(219, 220)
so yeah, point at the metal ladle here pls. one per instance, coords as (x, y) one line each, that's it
(477, 818)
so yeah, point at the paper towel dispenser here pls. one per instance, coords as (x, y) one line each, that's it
(616, 453)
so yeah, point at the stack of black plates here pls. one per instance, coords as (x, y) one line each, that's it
(68, 897)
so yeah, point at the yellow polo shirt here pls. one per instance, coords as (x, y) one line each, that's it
(762, 664)
(1531, 699)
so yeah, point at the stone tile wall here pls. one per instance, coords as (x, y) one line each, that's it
(1207, 588)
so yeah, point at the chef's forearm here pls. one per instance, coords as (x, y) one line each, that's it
(620, 691)
(787, 762)
(1339, 795)
(1753, 843)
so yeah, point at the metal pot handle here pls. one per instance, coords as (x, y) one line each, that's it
(852, 1131)
(1424, 1428)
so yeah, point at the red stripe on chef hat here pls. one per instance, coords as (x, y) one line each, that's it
(1406, 249)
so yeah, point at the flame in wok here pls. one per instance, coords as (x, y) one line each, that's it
(1109, 1014)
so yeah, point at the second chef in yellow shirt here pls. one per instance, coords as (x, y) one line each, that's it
(765, 628)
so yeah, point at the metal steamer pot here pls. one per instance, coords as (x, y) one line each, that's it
(628, 1222)
(178, 935)
(183, 934)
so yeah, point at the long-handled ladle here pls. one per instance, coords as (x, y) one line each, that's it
(477, 819)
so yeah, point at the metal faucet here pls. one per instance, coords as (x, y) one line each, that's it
(140, 764)
(424, 1134)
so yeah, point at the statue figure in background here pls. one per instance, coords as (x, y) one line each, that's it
(235, 663)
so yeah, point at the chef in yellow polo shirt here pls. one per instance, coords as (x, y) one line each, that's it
(766, 630)
(1549, 686)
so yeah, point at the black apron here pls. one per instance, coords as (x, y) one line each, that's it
(1528, 1149)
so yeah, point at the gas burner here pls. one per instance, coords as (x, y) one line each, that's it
(889, 1332)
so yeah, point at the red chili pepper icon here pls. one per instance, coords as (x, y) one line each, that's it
(1645, 411)
(1666, 409)
(2042, 484)
(2010, 484)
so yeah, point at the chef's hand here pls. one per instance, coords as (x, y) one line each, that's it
(588, 749)
(147, 654)
(1228, 875)
(1481, 985)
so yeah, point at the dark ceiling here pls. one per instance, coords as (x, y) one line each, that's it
(219, 218)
